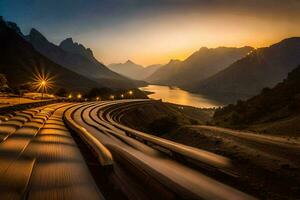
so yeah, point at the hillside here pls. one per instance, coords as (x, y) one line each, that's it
(164, 72)
(75, 48)
(160, 118)
(133, 70)
(149, 70)
(264, 67)
(19, 61)
(258, 159)
(77, 58)
(200, 65)
(271, 107)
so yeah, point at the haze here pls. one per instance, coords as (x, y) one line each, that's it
(155, 31)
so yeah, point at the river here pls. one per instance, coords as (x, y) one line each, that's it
(179, 96)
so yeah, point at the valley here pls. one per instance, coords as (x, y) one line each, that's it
(144, 100)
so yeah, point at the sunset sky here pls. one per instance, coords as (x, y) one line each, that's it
(155, 31)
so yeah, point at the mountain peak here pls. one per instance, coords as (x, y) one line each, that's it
(67, 41)
(36, 36)
(73, 47)
(68, 45)
(14, 26)
(129, 62)
(291, 39)
(35, 33)
(287, 41)
(173, 61)
(203, 49)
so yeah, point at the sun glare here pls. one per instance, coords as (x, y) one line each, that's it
(42, 82)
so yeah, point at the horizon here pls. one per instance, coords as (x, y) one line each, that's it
(217, 116)
(154, 32)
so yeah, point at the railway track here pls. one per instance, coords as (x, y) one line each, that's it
(145, 166)
(40, 160)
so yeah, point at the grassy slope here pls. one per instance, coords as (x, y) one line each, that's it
(275, 109)
(164, 118)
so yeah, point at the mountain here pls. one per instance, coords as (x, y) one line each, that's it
(149, 70)
(132, 70)
(19, 61)
(163, 74)
(15, 27)
(199, 66)
(263, 67)
(76, 48)
(77, 58)
(129, 69)
(271, 105)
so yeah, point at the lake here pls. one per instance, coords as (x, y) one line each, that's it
(179, 96)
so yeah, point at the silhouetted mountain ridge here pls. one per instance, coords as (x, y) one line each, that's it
(77, 58)
(133, 70)
(35, 34)
(76, 48)
(19, 61)
(263, 67)
(200, 65)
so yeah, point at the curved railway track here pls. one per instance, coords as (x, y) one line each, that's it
(149, 158)
(40, 160)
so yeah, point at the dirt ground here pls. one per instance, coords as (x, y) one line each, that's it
(268, 166)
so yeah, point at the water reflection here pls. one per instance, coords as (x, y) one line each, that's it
(179, 96)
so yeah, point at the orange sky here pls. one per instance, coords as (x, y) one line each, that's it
(176, 37)
(155, 31)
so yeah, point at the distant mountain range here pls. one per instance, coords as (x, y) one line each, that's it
(19, 61)
(263, 67)
(79, 59)
(199, 66)
(226, 74)
(134, 71)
